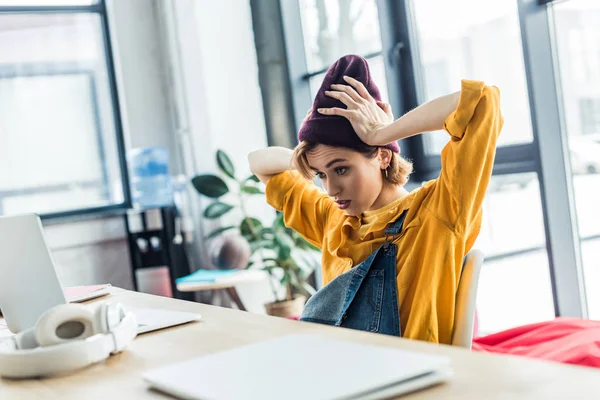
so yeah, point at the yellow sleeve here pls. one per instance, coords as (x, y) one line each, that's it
(304, 205)
(468, 158)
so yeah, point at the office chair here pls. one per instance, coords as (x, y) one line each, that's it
(466, 299)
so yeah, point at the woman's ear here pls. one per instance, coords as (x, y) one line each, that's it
(385, 157)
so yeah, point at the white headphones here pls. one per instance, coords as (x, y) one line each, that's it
(65, 338)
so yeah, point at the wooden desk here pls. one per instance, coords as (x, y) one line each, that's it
(477, 376)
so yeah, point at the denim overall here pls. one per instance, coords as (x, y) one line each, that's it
(365, 297)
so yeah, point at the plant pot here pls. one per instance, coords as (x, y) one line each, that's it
(286, 308)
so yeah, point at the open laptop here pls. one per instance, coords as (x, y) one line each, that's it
(28, 282)
(29, 285)
(302, 366)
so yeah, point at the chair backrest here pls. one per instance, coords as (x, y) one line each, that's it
(466, 299)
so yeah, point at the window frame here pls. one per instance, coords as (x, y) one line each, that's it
(555, 179)
(99, 9)
(539, 156)
(562, 238)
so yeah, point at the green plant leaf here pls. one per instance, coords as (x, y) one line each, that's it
(279, 223)
(294, 279)
(217, 232)
(285, 278)
(270, 269)
(253, 178)
(217, 209)
(210, 185)
(225, 164)
(251, 190)
(267, 232)
(302, 243)
(284, 245)
(251, 227)
(261, 244)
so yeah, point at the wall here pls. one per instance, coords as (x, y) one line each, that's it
(188, 80)
(90, 252)
(95, 251)
(213, 68)
(139, 61)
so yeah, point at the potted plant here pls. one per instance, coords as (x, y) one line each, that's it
(275, 248)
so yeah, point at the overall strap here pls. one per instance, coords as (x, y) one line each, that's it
(394, 229)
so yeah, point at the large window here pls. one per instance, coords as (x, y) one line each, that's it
(481, 39)
(475, 39)
(515, 286)
(540, 216)
(589, 113)
(578, 55)
(61, 147)
(45, 3)
(333, 28)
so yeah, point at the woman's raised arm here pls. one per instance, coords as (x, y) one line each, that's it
(270, 161)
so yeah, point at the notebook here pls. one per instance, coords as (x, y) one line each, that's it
(301, 366)
(78, 294)
(206, 275)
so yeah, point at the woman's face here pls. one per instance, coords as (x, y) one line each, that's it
(349, 177)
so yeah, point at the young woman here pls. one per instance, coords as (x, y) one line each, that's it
(391, 259)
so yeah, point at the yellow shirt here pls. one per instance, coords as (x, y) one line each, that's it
(442, 223)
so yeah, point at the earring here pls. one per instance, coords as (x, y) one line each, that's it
(386, 172)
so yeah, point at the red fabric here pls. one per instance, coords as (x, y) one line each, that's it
(566, 340)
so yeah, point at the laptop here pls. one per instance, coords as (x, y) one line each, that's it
(302, 366)
(29, 285)
(28, 282)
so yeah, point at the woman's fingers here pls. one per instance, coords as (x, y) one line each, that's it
(343, 97)
(336, 111)
(360, 88)
(349, 90)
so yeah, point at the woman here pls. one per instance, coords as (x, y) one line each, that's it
(391, 259)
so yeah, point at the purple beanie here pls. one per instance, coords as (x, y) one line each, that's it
(334, 130)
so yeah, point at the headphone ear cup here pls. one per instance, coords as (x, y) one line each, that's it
(63, 323)
(107, 317)
(101, 318)
(26, 340)
(115, 314)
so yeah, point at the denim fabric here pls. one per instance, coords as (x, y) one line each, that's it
(365, 297)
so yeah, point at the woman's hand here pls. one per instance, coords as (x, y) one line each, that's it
(367, 116)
